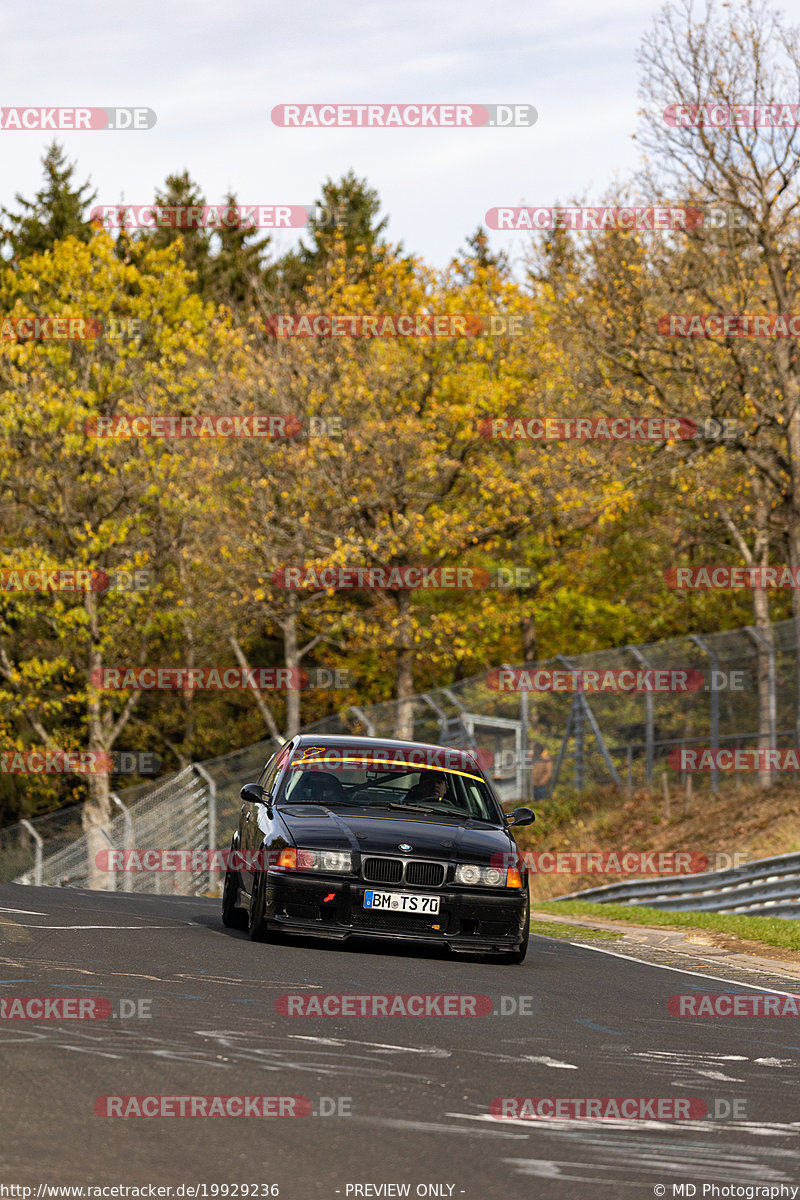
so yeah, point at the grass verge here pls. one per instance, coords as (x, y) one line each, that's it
(555, 929)
(769, 931)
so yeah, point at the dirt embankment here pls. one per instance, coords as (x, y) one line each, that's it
(740, 824)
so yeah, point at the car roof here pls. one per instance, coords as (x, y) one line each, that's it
(361, 742)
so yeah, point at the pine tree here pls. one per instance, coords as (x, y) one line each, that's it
(57, 212)
(180, 191)
(350, 214)
(235, 271)
(483, 257)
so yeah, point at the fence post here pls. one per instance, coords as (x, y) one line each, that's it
(765, 646)
(212, 823)
(524, 765)
(648, 718)
(364, 719)
(127, 835)
(39, 843)
(714, 703)
(580, 743)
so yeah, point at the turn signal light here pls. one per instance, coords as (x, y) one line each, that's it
(288, 859)
(513, 878)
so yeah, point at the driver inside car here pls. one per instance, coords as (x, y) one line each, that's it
(432, 785)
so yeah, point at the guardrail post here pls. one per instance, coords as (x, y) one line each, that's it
(212, 822)
(39, 843)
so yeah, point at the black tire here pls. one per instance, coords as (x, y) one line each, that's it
(518, 956)
(257, 922)
(232, 917)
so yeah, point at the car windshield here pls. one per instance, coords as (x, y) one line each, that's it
(340, 777)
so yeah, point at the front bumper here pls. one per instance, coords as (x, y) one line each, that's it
(468, 919)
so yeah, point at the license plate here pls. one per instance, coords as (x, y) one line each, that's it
(401, 902)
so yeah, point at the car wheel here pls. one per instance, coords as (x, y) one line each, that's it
(518, 955)
(257, 922)
(232, 917)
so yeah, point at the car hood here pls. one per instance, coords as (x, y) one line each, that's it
(317, 828)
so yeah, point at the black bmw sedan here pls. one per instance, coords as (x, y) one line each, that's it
(347, 836)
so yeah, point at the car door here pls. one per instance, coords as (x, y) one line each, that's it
(255, 818)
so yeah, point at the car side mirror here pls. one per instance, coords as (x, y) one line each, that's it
(522, 816)
(253, 793)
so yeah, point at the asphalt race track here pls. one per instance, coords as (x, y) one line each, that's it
(409, 1097)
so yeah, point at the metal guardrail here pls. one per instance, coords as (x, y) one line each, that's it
(768, 887)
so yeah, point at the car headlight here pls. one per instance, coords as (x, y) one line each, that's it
(480, 876)
(324, 860)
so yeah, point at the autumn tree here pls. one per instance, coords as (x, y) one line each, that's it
(97, 503)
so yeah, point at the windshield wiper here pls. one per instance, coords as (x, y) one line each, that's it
(417, 808)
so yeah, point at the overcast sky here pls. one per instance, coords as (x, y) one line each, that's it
(214, 69)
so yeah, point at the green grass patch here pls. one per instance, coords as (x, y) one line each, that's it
(555, 929)
(771, 931)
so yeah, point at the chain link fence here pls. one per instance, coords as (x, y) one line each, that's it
(743, 693)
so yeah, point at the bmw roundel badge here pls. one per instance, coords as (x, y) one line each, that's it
(405, 846)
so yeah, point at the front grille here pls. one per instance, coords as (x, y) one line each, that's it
(383, 870)
(411, 872)
(426, 874)
(400, 922)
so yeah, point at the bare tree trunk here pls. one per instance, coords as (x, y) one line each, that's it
(404, 720)
(529, 640)
(291, 657)
(764, 628)
(96, 813)
(261, 703)
(794, 560)
(759, 556)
